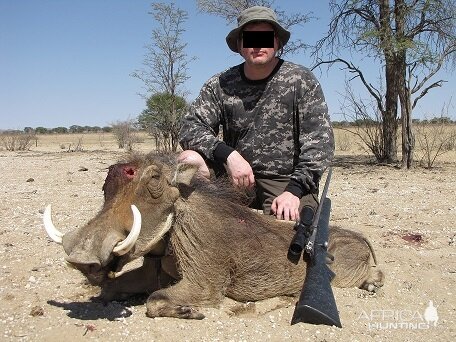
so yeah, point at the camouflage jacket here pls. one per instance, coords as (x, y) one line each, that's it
(280, 125)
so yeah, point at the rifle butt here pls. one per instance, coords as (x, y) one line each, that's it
(317, 304)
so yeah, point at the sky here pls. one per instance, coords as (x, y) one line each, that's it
(66, 63)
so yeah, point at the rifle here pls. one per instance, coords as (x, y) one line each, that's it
(316, 304)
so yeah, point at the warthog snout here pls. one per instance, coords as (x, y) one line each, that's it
(86, 268)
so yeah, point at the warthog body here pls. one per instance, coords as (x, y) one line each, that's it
(220, 248)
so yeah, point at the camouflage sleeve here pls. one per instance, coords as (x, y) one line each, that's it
(316, 140)
(200, 126)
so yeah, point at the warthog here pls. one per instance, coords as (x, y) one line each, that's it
(220, 248)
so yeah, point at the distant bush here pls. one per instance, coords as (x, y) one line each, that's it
(73, 129)
(340, 124)
(17, 140)
(60, 130)
(125, 134)
(77, 147)
(41, 130)
(343, 142)
(433, 140)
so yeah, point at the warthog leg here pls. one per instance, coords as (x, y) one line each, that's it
(141, 280)
(177, 301)
(375, 280)
(354, 261)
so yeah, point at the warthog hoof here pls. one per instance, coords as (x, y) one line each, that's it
(374, 282)
(157, 306)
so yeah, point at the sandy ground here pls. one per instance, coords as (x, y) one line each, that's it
(409, 216)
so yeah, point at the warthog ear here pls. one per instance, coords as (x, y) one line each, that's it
(184, 174)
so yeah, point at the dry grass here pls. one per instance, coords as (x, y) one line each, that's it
(349, 144)
(88, 142)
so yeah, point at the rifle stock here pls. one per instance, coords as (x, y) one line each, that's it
(316, 303)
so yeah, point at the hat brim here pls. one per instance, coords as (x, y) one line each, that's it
(232, 37)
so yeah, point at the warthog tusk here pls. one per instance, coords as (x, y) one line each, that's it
(53, 233)
(126, 245)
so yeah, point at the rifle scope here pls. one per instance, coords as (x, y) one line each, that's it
(303, 232)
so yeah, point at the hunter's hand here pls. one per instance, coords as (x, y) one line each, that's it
(286, 207)
(240, 171)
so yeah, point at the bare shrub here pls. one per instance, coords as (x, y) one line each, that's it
(17, 141)
(101, 138)
(125, 134)
(434, 140)
(77, 147)
(450, 145)
(343, 142)
(367, 123)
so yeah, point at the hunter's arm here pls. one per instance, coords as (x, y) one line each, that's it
(200, 126)
(316, 139)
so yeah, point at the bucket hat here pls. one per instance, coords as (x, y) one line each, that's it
(252, 14)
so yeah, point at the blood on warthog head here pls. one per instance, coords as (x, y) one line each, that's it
(118, 176)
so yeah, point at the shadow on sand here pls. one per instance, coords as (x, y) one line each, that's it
(349, 161)
(94, 310)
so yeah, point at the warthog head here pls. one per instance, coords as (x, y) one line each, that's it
(119, 233)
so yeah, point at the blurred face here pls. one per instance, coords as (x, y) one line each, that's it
(258, 55)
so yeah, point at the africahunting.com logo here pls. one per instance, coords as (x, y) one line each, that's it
(387, 319)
